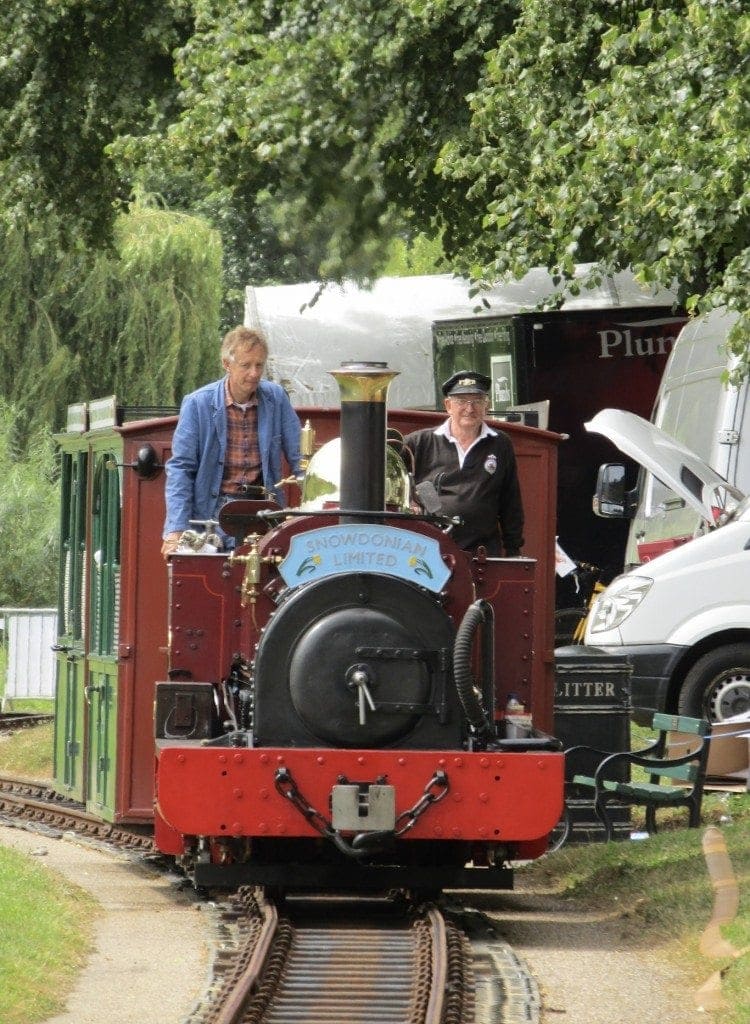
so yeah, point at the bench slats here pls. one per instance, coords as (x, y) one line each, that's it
(679, 723)
(645, 790)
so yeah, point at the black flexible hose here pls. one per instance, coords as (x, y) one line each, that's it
(476, 614)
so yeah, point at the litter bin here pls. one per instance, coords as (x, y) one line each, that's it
(592, 706)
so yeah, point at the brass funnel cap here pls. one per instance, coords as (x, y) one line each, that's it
(363, 381)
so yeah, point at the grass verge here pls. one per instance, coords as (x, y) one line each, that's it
(665, 893)
(45, 922)
(45, 936)
(28, 752)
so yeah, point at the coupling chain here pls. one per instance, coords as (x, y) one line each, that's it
(288, 788)
(435, 790)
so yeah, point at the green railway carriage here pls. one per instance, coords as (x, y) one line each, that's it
(112, 618)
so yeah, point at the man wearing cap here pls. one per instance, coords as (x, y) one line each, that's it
(473, 468)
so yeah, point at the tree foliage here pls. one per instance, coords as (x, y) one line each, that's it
(74, 75)
(313, 132)
(522, 134)
(322, 119)
(616, 133)
(29, 512)
(139, 320)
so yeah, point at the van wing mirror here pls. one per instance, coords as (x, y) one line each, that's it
(611, 499)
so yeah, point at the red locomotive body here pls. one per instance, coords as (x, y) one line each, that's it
(334, 711)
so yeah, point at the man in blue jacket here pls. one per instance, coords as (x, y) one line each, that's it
(229, 438)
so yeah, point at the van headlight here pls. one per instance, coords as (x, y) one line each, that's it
(618, 601)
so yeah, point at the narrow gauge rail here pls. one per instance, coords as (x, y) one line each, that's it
(10, 720)
(354, 960)
(34, 801)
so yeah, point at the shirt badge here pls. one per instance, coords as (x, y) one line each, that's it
(490, 463)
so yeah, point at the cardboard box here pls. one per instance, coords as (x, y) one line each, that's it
(729, 753)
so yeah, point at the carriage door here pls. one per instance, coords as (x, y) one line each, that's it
(70, 718)
(104, 594)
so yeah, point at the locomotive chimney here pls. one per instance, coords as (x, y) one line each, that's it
(363, 388)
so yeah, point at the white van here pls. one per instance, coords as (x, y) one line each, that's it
(696, 408)
(683, 618)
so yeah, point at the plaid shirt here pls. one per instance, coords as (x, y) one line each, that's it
(242, 463)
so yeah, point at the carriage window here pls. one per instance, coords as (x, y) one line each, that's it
(105, 555)
(72, 544)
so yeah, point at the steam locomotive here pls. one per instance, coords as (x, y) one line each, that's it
(325, 704)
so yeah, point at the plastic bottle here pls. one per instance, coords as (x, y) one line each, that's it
(517, 719)
(514, 706)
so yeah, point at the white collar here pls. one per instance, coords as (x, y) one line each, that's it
(444, 430)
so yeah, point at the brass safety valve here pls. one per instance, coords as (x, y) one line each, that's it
(252, 561)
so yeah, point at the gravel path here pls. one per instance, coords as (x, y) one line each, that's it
(152, 946)
(589, 966)
(152, 954)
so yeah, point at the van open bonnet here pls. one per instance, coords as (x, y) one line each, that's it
(692, 479)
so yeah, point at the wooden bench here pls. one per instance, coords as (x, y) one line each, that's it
(687, 772)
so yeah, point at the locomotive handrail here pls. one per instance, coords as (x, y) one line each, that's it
(287, 513)
(527, 744)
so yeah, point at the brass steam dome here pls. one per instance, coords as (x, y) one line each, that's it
(320, 488)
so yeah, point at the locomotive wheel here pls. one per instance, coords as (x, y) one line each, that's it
(360, 659)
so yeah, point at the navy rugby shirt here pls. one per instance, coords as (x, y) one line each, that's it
(484, 491)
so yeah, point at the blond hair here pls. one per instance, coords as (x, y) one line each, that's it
(242, 337)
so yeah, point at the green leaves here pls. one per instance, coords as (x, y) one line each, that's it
(28, 516)
(73, 76)
(604, 130)
(323, 121)
(139, 321)
(313, 132)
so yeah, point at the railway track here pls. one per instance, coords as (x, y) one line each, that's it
(11, 720)
(349, 960)
(35, 802)
(327, 959)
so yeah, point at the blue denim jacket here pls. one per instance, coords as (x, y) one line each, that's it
(196, 466)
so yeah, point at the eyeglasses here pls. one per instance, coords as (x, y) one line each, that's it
(465, 402)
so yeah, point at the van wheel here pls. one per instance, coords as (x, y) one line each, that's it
(718, 685)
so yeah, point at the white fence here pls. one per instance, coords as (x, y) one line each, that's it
(29, 635)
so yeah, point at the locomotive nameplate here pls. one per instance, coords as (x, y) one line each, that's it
(365, 547)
